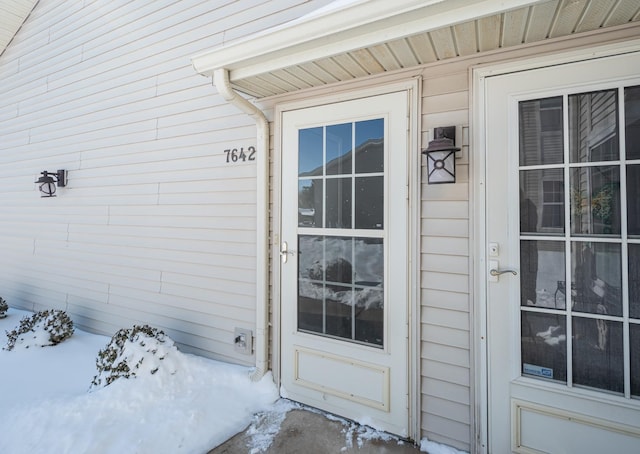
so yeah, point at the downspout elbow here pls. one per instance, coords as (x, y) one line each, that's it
(221, 81)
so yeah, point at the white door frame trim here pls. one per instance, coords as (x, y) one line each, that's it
(478, 202)
(413, 88)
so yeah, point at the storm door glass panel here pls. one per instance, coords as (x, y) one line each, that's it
(593, 126)
(310, 202)
(541, 131)
(338, 203)
(574, 310)
(543, 346)
(633, 202)
(369, 202)
(368, 290)
(542, 260)
(596, 278)
(339, 143)
(542, 201)
(595, 200)
(370, 146)
(634, 329)
(598, 360)
(341, 287)
(369, 174)
(341, 218)
(634, 280)
(632, 121)
(310, 151)
(311, 188)
(542, 274)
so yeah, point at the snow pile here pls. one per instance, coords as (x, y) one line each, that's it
(41, 329)
(48, 408)
(4, 307)
(136, 351)
(196, 405)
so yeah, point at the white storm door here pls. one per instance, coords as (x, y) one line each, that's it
(563, 212)
(344, 296)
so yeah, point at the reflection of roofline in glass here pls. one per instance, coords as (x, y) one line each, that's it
(347, 156)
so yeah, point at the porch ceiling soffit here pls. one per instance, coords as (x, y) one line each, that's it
(13, 13)
(359, 38)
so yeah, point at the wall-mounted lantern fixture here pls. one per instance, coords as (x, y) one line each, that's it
(49, 180)
(441, 156)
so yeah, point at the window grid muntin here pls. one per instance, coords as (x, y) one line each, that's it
(353, 232)
(568, 238)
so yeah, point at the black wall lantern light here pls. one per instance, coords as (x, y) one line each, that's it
(49, 180)
(441, 156)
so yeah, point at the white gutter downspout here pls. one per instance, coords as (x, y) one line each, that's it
(221, 81)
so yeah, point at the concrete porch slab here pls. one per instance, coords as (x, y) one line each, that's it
(309, 431)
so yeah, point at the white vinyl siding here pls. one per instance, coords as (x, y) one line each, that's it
(445, 278)
(154, 226)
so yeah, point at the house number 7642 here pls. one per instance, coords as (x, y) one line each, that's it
(235, 155)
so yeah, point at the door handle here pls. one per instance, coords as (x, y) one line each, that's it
(495, 271)
(285, 252)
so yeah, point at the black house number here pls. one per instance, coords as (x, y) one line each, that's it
(235, 155)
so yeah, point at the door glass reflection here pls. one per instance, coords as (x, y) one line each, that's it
(595, 200)
(573, 280)
(544, 346)
(634, 280)
(632, 121)
(597, 278)
(339, 317)
(542, 201)
(598, 354)
(634, 340)
(541, 131)
(338, 203)
(340, 287)
(542, 274)
(370, 146)
(341, 186)
(369, 314)
(310, 203)
(339, 149)
(310, 142)
(593, 126)
(369, 202)
(633, 202)
(369, 262)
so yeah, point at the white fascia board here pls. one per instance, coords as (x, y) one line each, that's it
(351, 26)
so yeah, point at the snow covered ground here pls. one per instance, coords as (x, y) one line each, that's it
(46, 406)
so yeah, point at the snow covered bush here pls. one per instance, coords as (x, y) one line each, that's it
(4, 307)
(133, 352)
(43, 328)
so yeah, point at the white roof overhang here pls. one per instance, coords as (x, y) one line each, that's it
(12, 15)
(353, 25)
(355, 38)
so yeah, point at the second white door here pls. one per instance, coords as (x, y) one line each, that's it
(563, 174)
